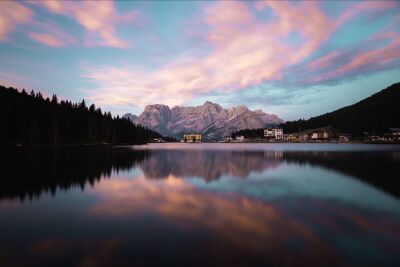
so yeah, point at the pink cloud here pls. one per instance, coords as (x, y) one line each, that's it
(342, 64)
(99, 19)
(337, 64)
(366, 6)
(379, 56)
(243, 50)
(307, 20)
(46, 39)
(227, 12)
(12, 14)
(323, 62)
(51, 35)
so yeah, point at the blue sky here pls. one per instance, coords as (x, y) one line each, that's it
(294, 59)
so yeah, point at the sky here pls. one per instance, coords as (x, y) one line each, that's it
(294, 59)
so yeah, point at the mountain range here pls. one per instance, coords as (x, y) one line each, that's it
(210, 119)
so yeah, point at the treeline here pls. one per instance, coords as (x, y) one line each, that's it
(376, 113)
(31, 119)
(249, 133)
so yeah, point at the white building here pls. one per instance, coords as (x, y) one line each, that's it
(314, 135)
(317, 135)
(394, 134)
(240, 138)
(344, 138)
(273, 133)
(228, 138)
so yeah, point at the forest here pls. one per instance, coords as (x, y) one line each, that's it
(249, 133)
(31, 119)
(376, 114)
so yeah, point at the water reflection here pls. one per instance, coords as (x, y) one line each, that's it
(26, 173)
(199, 207)
(249, 231)
(378, 168)
(208, 165)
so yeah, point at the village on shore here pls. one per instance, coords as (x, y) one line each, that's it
(392, 135)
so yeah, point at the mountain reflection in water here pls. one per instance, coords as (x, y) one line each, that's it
(29, 172)
(199, 207)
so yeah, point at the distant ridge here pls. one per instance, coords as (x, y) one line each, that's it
(373, 114)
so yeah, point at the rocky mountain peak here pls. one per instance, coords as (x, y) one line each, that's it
(211, 106)
(234, 111)
(212, 120)
(155, 107)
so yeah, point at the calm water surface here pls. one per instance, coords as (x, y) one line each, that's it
(201, 205)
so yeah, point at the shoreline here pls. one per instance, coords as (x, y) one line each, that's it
(105, 145)
(304, 142)
(69, 145)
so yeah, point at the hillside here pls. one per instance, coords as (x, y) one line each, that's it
(373, 114)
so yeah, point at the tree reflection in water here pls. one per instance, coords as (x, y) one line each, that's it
(26, 173)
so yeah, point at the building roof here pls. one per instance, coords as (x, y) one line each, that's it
(320, 131)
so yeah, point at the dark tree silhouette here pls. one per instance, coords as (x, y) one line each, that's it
(30, 119)
(249, 133)
(376, 113)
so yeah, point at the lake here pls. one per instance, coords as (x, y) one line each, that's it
(201, 205)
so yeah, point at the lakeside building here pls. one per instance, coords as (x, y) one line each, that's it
(304, 137)
(228, 138)
(290, 137)
(191, 138)
(393, 134)
(344, 138)
(273, 133)
(240, 138)
(390, 135)
(373, 137)
(158, 140)
(320, 135)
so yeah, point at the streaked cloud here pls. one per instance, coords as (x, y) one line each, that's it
(12, 14)
(242, 50)
(50, 34)
(365, 6)
(99, 20)
(383, 54)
